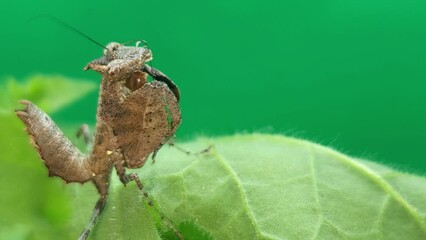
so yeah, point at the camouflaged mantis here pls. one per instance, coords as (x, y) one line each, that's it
(134, 119)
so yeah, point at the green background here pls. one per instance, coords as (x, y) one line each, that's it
(348, 74)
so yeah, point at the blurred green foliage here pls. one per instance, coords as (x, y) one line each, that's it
(33, 206)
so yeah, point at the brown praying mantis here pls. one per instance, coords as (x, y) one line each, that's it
(134, 119)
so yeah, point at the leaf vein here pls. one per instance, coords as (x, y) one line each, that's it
(241, 190)
(381, 217)
(381, 183)
(316, 195)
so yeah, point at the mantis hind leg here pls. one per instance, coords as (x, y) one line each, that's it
(126, 178)
(97, 212)
(101, 182)
(84, 131)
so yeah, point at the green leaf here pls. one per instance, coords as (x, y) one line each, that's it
(33, 206)
(269, 187)
(49, 92)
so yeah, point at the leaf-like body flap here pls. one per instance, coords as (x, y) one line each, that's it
(149, 118)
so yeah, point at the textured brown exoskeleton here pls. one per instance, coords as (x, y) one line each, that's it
(134, 119)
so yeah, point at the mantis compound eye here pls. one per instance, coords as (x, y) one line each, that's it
(110, 50)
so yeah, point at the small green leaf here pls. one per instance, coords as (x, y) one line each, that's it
(269, 187)
(32, 205)
(49, 92)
